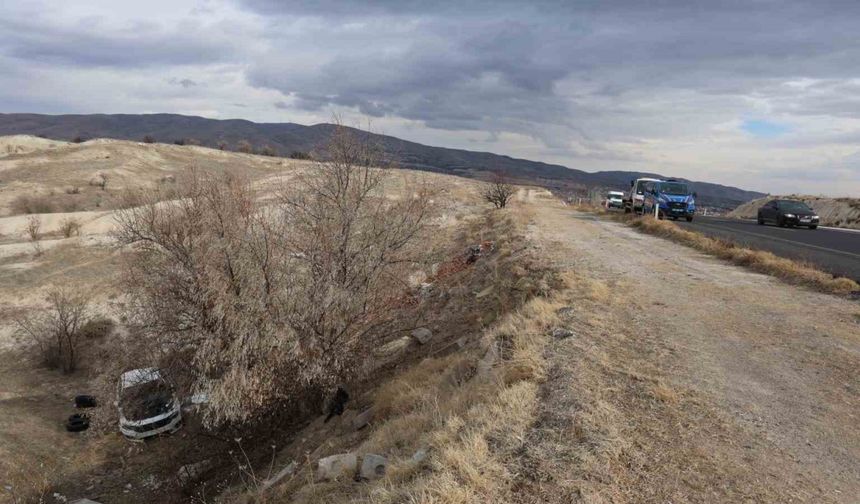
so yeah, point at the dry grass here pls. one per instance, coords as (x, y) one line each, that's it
(757, 260)
(471, 422)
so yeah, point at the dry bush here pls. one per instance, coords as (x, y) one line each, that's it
(268, 150)
(244, 146)
(100, 180)
(264, 307)
(57, 333)
(149, 139)
(34, 228)
(34, 204)
(222, 145)
(70, 226)
(73, 190)
(498, 191)
(758, 260)
(96, 328)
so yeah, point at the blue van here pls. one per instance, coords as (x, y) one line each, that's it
(669, 198)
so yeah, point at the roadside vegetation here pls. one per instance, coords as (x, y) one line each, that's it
(757, 260)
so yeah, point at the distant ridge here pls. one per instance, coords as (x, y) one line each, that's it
(287, 138)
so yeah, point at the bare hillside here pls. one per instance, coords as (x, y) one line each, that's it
(836, 212)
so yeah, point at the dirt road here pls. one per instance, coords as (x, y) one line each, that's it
(691, 380)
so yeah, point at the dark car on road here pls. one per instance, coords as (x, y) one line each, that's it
(787, 213)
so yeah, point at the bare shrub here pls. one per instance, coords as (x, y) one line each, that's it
(266, 307)
(96, 328)
(497, 191)
(244, 146)
(222, 145)
(34, 228)
(34, 204)
(56, 333)
(299, 155)
(268, 150)
(70, 226)
(149, 139)
(100, 180)
(73, 190)
(78, 139)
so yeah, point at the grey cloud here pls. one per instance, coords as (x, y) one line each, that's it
(87, 43)
(186, 83)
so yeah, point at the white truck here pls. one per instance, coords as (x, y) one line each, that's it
(636, 196)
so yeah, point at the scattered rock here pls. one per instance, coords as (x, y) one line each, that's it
(420, 455)
(425, 290)
(192, 472)
(561, 333)
(565, 311)
(489, 359)
(362, 419)
(461, 342)
(484, 292)
(422, 335)
(394, 348)
(372, 466)
(283, 473)
(336, 466)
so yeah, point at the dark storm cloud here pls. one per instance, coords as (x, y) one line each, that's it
(507, 66)
(86, 43)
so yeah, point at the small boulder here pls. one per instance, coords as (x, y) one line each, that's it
(373, 466)
(337, 466)
(362, 419)
(561, 333)
(192, 472)
(425, 290)
(565, 312)
(283, 473)
(419, 456)
(489, 359)
(394, 348)
(422, 335)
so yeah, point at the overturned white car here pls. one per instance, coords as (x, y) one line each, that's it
(147, 404)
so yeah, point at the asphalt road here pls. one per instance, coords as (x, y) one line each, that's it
(833, 250)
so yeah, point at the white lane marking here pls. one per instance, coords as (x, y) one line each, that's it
(766, 237)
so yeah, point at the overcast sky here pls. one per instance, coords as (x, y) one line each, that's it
(760, 94)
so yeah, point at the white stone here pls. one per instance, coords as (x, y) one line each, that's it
(373, 466)
(422, 335)
(336, 466)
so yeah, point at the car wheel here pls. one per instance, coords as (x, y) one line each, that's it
(689, 219)
(760, 220)
(780, 222)
(813, 227)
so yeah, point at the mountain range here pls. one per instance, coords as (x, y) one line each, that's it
(297, 139)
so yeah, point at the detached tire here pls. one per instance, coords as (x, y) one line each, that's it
(85, 401)
(77, 423)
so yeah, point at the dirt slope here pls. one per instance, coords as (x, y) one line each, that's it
(694, 381)
(836, 212)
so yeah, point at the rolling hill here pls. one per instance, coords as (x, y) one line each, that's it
(287, 138)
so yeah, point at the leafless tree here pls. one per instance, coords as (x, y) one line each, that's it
(498, 190)
(56, 332)
(263, 306)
